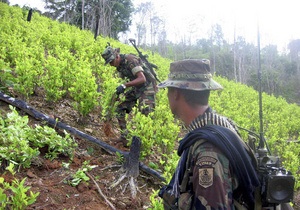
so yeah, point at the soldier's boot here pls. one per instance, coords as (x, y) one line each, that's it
(124, 132)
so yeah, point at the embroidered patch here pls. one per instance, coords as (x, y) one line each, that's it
(206, 170)
(206, 161)
(206, 177)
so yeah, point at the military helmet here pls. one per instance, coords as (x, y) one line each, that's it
(109, 54)
(191, 74)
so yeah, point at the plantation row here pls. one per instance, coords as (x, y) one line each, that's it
(57, 60)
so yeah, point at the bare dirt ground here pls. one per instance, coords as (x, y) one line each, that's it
(49, 178)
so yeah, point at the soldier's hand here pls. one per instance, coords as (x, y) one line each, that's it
(120, 89)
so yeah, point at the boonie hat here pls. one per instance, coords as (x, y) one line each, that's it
(191, 74)
(109, 54)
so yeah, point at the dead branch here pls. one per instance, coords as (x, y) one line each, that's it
(100, 191)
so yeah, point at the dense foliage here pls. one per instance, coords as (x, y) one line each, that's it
(235, 60)
(238, 61)
(21, 144)
(60, 61)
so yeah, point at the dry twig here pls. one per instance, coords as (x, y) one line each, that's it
(100, 191)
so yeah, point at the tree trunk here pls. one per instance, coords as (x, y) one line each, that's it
(131, 167)
(131, 164)
(82, 15)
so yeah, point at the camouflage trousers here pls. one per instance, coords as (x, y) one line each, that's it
(145, 100)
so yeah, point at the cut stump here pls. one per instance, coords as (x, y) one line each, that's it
(130, 167)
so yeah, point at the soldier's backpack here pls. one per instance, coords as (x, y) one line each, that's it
(149, 72)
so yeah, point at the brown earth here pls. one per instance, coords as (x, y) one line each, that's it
(49, 178)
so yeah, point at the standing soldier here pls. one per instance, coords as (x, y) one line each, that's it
(215, 170)
(139, 85)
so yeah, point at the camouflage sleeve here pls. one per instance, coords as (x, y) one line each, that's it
(134, 64)
(212, 180)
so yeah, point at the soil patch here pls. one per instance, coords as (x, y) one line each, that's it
(50, 178)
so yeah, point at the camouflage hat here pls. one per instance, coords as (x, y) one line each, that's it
(192, 74)
(109, 54)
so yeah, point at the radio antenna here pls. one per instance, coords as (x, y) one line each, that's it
(261, 129)
(262, 141)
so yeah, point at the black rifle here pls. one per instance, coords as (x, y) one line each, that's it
(149, 65)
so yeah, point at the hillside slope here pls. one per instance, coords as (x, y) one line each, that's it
(50, 177)
(58, 70)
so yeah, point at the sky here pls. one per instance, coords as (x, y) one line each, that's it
(277, 20)
(30, 3)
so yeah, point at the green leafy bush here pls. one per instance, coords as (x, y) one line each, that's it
(21, 143)
(15, 195)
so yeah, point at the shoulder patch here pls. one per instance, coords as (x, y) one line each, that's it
(206, 177)
(207, 161)
(206, 170)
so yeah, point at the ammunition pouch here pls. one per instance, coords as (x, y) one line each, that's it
(170, 201)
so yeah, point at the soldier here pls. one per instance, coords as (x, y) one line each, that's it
(140, 88)
(215, 170)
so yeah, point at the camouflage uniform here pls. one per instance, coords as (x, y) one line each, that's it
(144, 94)
(213, 180)
(208, 181)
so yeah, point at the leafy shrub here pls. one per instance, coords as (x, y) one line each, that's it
(20, 143)
(15, 195)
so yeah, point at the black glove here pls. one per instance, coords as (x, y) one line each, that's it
(120, 89)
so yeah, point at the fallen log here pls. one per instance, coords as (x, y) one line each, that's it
(56, 124)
